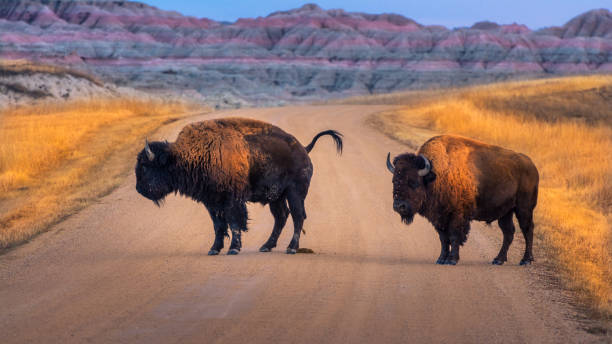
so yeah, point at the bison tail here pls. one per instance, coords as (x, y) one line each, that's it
(334, 134)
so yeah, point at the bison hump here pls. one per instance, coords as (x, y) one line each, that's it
(221, 156)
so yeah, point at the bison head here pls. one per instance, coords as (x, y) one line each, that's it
(411, 173)
(153, 178)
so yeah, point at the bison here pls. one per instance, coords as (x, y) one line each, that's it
(225, 163)
(453, 180)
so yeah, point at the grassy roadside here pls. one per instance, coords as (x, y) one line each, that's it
(57, 159)
(565, 126)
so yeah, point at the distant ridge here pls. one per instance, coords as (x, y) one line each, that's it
(597, 23)
(305, 53)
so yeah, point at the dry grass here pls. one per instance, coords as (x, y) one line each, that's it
(395, 98)
(56, 159)
(24, 67)
(564, 126)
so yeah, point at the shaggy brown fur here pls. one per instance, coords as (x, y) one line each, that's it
(217, 150)
(469, 180)
(225, 163)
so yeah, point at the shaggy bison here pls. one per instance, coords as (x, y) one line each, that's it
(453, 180)
(225, 163)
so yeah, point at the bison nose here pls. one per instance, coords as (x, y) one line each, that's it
(400, 206)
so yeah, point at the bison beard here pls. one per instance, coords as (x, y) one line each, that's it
(453, 180)
(225, 163)
(407, 219)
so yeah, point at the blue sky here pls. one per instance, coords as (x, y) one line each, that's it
(451, 13)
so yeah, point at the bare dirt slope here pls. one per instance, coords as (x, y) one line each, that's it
(124, 271)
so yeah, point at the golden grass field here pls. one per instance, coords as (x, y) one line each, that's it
(57, 158)
(565, 126)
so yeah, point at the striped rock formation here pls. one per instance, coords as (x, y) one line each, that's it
(306, 53)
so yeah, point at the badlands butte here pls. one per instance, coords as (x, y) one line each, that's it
(297, 55)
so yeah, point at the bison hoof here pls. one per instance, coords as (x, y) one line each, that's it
(265, 249)
(233, 252)
(497, 262)
(441, 261)
(450, 262)
(213, 252)
(525, 261)
(291, 251)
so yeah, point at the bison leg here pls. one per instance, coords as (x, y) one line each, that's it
(444, 252)
(453, 256)
(298, 214)
(457, 236)
(525, 220)
(220, 226)
(507, 227)
(237, 217)
(280, 211)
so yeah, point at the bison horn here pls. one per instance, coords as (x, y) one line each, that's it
(149, 152)
(389, 165)
(425, 170)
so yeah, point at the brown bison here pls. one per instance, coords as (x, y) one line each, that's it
(225, 163)
(453, 180)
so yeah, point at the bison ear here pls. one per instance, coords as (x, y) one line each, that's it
(429, 177)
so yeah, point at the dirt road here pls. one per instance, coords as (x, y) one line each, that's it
(124, 271)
